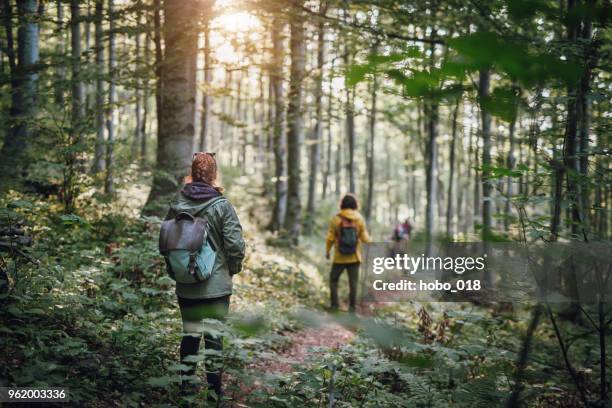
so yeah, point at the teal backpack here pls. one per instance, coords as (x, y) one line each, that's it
(187, 246)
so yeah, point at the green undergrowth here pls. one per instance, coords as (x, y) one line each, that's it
(97, 314)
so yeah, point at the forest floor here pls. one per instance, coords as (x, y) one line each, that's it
(98, 314)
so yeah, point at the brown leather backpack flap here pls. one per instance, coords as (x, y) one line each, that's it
(182, 232)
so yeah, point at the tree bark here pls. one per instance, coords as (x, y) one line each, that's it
(280, 143)
(206, 98)
(295, 127)
(431, 178)
(78, 92)
(138, 89)
(315, 141)
(24, 86)
(178, 86)
(159, 57)
(485, 118)
(370, 149)
(350, 132)
(431, 112)
(60, 50)
(112, 100)
(509, 180)
(98, 164)
(328, 155)
(451, 173)
(145, 101)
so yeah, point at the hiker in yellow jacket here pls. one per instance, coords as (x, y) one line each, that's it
(347, 231)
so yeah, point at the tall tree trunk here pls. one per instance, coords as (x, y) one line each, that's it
(451, 173)
(315, 141)
(78, 92)
(431, 178)
(98, 164)
(280, 143)
(431, 113)
(206, 98)
(112, 100)
(295, 127)
(350, 132)
(175, 136)
(509, 180)
(338, 166)
(138, 89)
(370, 162)
(328, 155)
(24, 84)
(145, 101)
(159, 58)
(485, 117)
(570, 144)
(86, 54)
(60, 49)
(584, 106)
(350, 114)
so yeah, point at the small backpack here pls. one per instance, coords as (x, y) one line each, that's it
(187, 247)
(348, 236)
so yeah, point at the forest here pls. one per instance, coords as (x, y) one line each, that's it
(479, 121)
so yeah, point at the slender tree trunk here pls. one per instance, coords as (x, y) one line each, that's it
(24, 84)
(145, 102)
(370, 148)
(206, 98)
(138, 91)
(86, 55)
(98, 164)
(315, 141)
(280, 143)
(338, 166)
(451, 173)
(295, 127)
(350, 114)
(584, 106)
(485, 117)
(509, 179)
(175, 136)
(78, 93)
(60, 49)
(350, 132)
(157, 28)
(431, 113)
(112, 100)
(328, 155)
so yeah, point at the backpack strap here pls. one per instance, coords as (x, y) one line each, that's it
(204, 210)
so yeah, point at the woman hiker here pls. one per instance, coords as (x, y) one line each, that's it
(347, 231)
(208, 299)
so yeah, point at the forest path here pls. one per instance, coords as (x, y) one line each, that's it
(321, 332)
(304, 344)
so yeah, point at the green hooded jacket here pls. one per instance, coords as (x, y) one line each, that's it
(226, 234)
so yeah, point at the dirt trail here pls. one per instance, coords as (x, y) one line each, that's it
(329, 335)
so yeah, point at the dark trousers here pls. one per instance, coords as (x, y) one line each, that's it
(353, 276)
(192, 313)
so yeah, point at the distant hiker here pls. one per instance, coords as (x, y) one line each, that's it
(400, 236)
(402, 231)
(202, 242)
(347, 230)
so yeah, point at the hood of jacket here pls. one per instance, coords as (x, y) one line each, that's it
(183, 203)
(199, 191)
(350, 214)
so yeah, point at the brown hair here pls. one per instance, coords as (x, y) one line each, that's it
(349, 201)
(204, 169)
